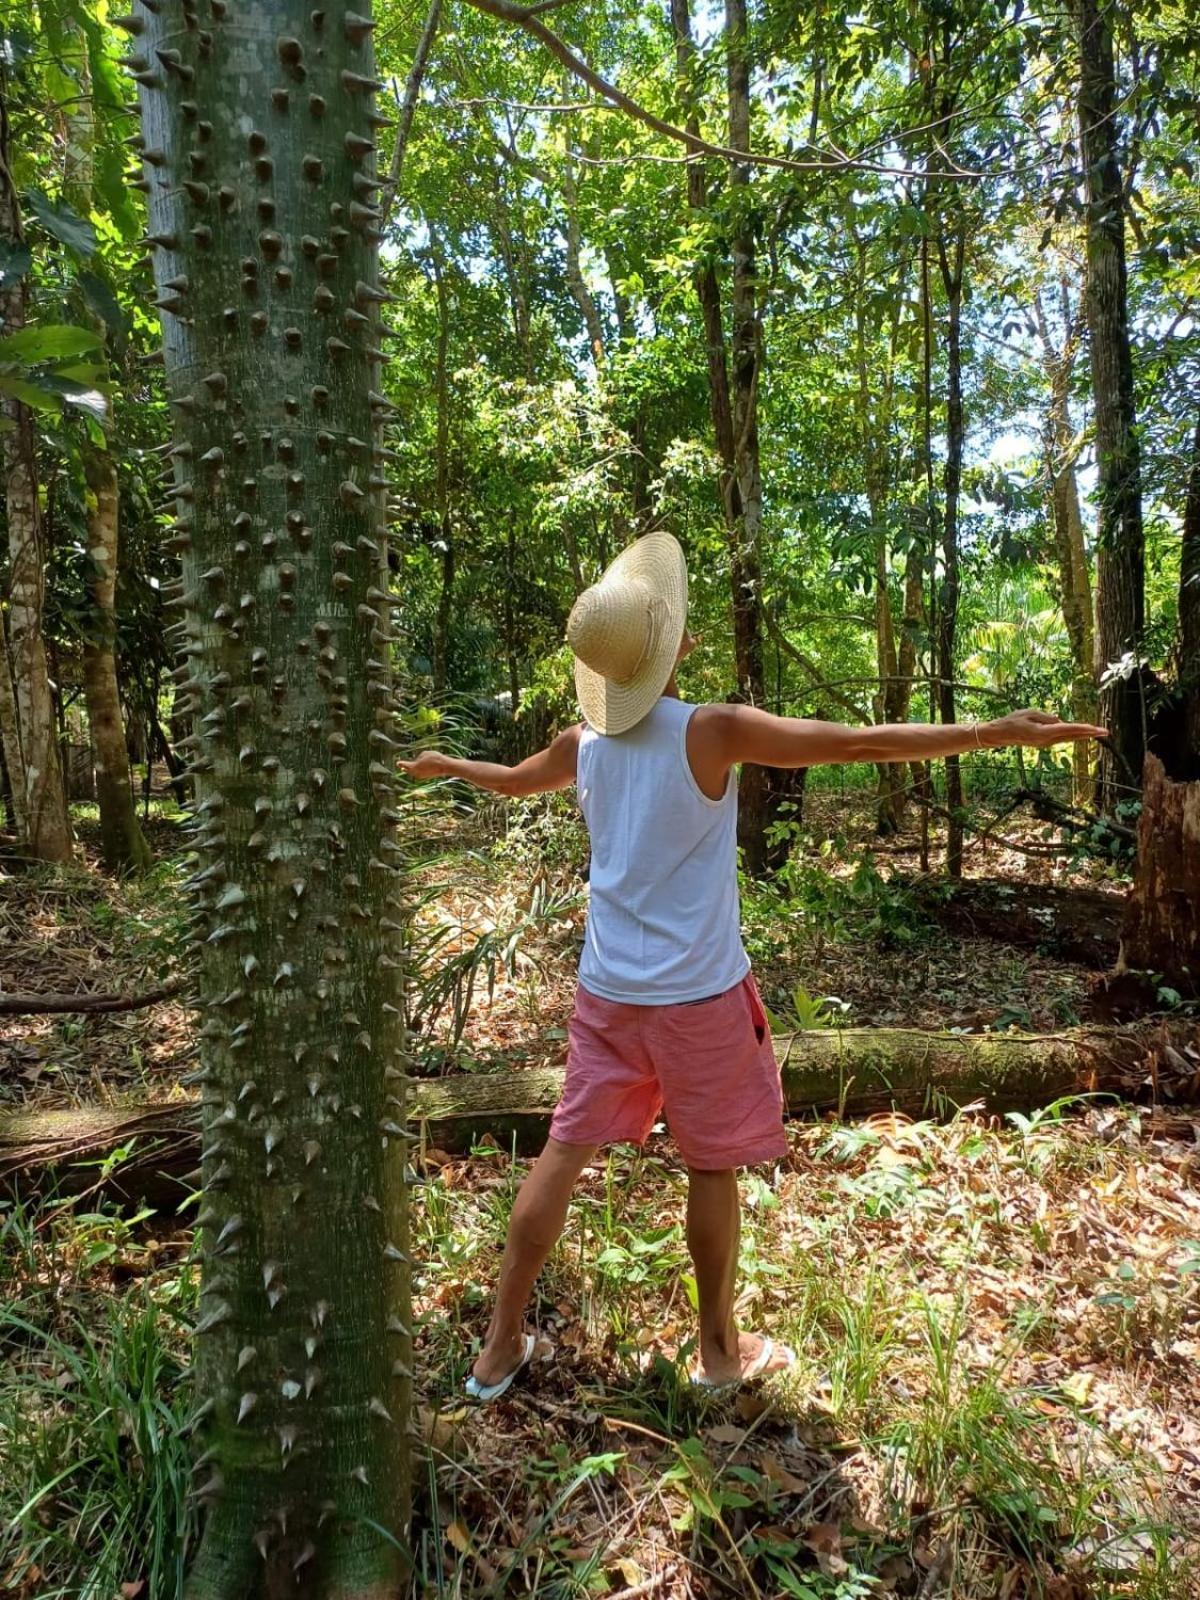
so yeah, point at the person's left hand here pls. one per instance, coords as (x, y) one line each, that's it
(1038, 729)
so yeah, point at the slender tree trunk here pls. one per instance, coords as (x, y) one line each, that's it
(510, 619)
(10, 745)
(408, 108)
(745, 519)
(1074, 578)
(734, 406)
(1188, 649)
(445, 609)
(952, 279)
(576, 282)
(123, 845)
(31, 746)
(1120, 563)
(265, 263)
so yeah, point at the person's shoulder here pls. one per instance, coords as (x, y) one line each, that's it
(714, 720)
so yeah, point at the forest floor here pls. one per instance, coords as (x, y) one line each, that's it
(997, 1320)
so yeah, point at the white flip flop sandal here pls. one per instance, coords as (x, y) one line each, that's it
(756, 1368)
(483, 1392)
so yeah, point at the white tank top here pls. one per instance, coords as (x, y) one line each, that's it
(663, 924)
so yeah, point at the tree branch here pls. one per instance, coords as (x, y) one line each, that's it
(526, 17)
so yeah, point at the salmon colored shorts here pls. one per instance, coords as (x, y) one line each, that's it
(710, 1063)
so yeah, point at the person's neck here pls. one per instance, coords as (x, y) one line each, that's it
(671, 692)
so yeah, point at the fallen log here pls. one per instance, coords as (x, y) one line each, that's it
(851, 1072)
(40, 1005)
(1082, 925)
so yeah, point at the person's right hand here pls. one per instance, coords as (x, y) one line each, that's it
(1037, 728)
(429, 764)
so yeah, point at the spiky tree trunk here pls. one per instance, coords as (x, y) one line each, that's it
(1120, 558)
(29, 726)
(122, 842)
(259, 154)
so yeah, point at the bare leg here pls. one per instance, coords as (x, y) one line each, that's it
(538, 1215)
(713, 1230)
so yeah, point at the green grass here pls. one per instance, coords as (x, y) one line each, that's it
(94, 1470)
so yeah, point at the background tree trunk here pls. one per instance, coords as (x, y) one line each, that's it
(1120, 561)
(734, 405)
(443, 621)
(265, 262)
(31, 747)
(122, 843)
(951, 261)
(1187, 652)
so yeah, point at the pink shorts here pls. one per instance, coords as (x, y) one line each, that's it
(710, 1063)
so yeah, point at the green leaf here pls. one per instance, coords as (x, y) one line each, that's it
(104, 303)
(15, 261)
(50, 342)
(59, 219)
(113, 193)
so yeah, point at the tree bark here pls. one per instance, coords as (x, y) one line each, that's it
(1161, 932)
(31, 745)
(122, 844)
(263, 129)
(1120, 562)
(851, 1072)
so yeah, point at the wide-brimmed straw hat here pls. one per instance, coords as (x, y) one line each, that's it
(625, 631)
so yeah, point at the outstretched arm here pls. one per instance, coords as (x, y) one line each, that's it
(551, 768)
(744, 733)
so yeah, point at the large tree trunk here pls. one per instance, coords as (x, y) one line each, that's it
(260, 188)
(28, 721)
(1161, 932)
(122, 843)
(853, 1072)
(1120, 561)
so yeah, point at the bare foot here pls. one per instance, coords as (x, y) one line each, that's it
(757, 1357)
(498, 1358)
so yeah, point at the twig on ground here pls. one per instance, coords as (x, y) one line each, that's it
(38, 1005)
(647, 1585)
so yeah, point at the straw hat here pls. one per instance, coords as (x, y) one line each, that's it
(625, 632)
